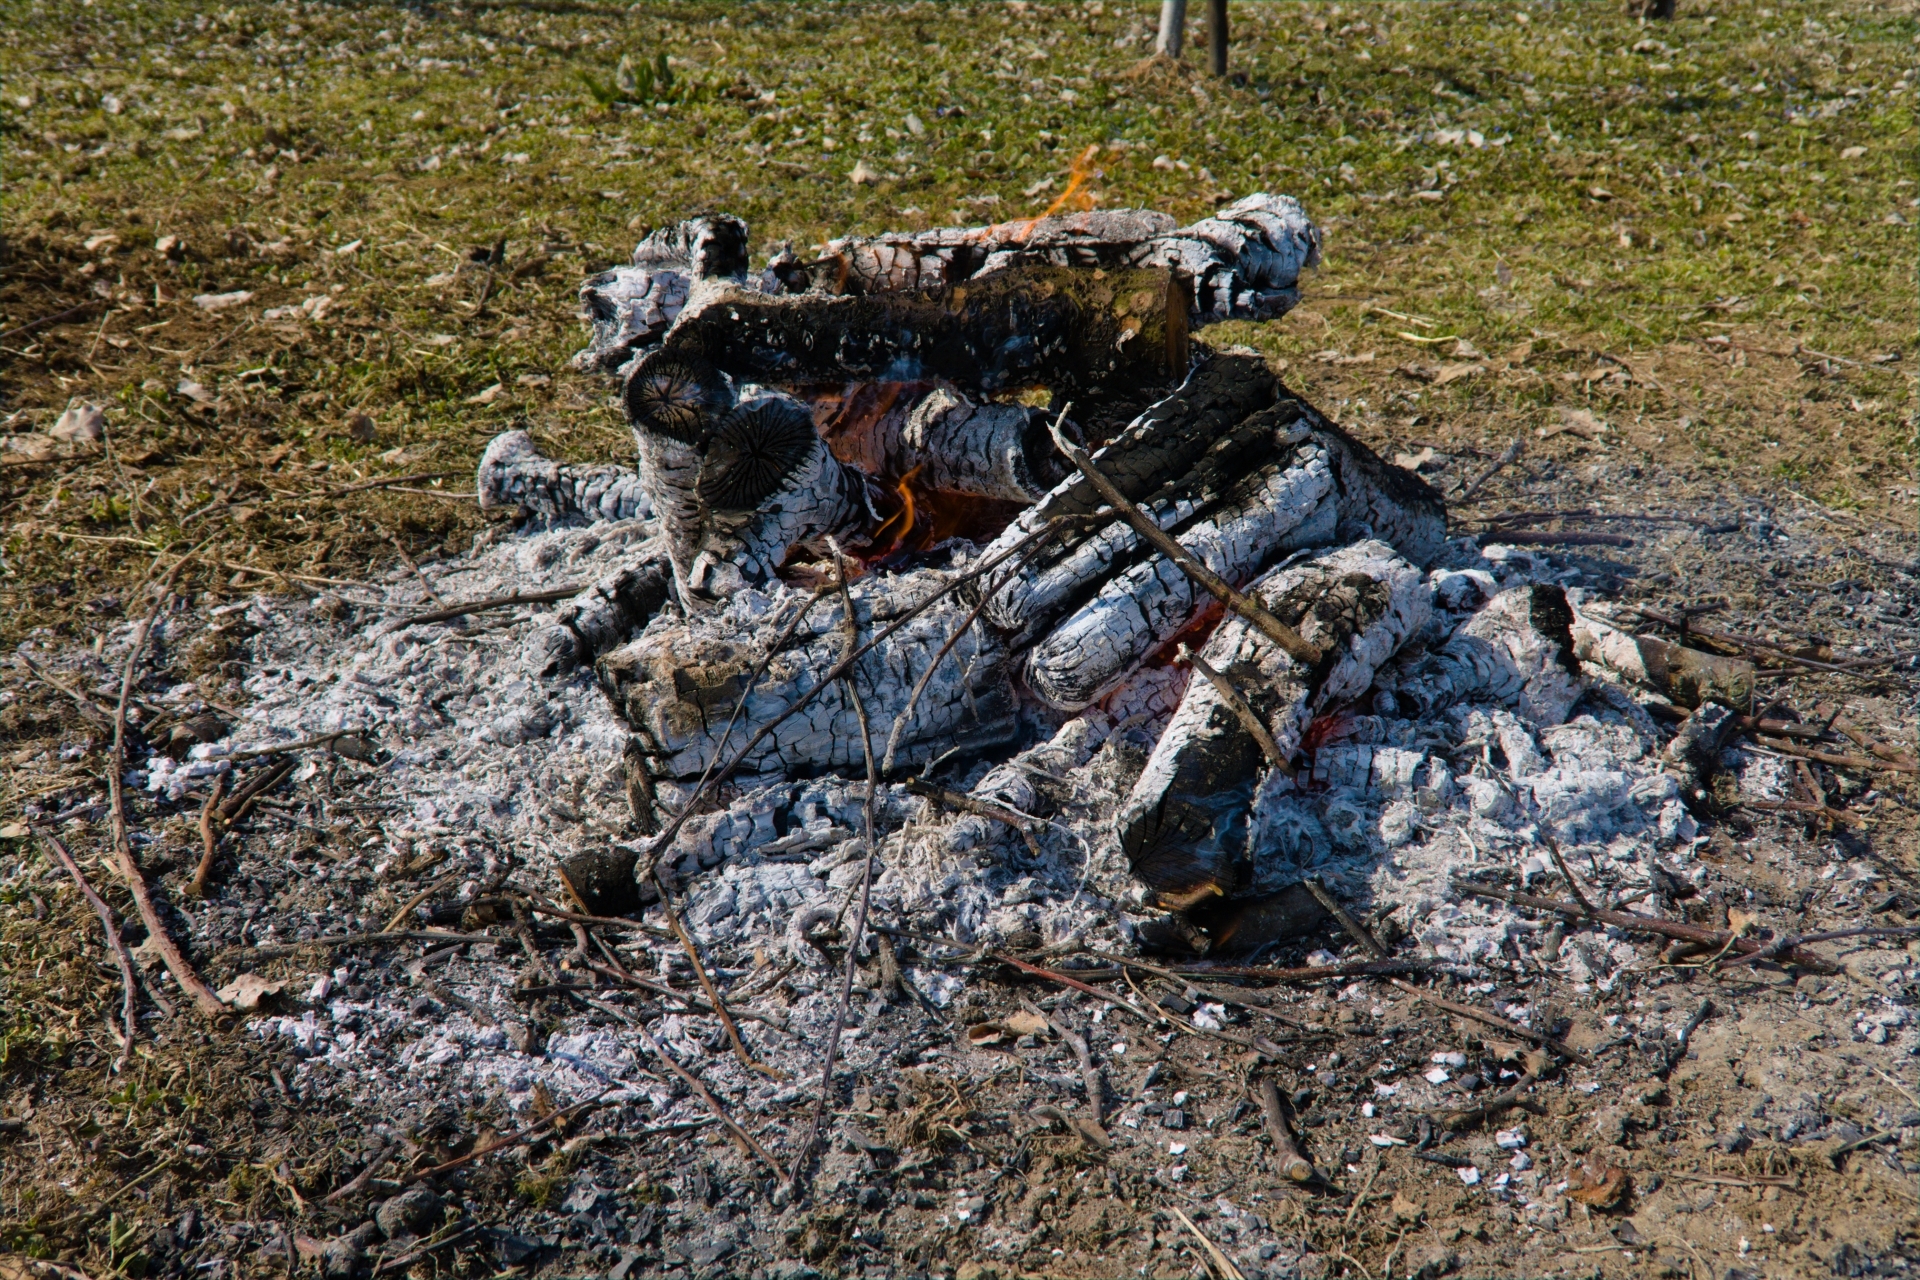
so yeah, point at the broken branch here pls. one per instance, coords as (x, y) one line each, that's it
(115, 942)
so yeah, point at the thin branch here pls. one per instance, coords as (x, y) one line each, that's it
(1560, 1047)
(93, 710)
(1505, 460)
(115, 942)
(980, 808)
(740, 1050)
(1353, 927)
(1646, 924)
(866, 878)
(1296, 646)
(492, 602)
(1239, 705)
(177, 964)
(1293, 1162)
(694, 1082)
(209, 837)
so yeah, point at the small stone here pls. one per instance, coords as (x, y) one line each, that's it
(1433, 1262)
(414, 1212)
(862, 175)
(1173, 1118)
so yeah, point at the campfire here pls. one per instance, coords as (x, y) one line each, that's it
(944, 514)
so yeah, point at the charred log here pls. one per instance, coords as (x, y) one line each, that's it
(1517, 650)
(1245, 261)
(602, 617)
(1192, 824)
(514, 473)
(1027, 326)
(944, 439)
(630, 308)
(681, 681)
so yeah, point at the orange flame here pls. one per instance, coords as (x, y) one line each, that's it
(896, 528)
(1078, 176)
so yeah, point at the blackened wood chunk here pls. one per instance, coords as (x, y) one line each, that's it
(1024, 327)
(600, 881)
(676, 397)
(1241, 926)
(1193, 821)
(753, 451)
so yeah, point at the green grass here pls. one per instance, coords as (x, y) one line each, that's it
(1544, 173)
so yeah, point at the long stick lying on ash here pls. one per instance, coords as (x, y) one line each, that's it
(866, 879)
(491, 602)
(115, 942)
(1090, 1076)
(1505, 460)
(694, 1082)
(177, 964)
(1646, 924)
(1297, 646)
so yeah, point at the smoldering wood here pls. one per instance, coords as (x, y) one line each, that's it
(514, 473)
(943, 438)
(1244, 262)
(679, 681)
(1194, 820)
(1027, 326)
(629, 308)
(1516, 650)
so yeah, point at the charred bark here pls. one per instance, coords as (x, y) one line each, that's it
(1023, 327)
(946, 440)
(513, 473)
(1193, 821)
(678, 684)
(630, 308)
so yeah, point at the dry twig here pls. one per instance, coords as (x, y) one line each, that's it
(115, 943)
(177, 964)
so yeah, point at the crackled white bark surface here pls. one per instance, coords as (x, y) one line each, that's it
(680, 680)
(514, 473)
(1184, 825)
(1517, 650)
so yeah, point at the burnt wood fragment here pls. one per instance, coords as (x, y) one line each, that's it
(1026, 326)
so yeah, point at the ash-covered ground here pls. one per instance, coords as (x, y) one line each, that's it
(952, 1141)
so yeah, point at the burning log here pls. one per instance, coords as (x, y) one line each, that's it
(1243, 263)
(1194, 821)
(944, 440)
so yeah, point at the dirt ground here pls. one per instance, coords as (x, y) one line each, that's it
(1672, 322)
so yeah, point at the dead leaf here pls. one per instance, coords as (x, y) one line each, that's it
(1418, 372)
(81, 423)
(1026, 1023)
(1602, 1186)
(247, 991)
(1092, 1133)
(986, 1035)
(488, 396)
(1535, 1062)
(1521, 353)
(1455, 372)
